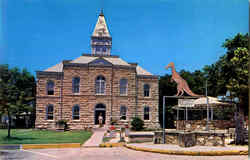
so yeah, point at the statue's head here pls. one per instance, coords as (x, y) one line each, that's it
(171, 64)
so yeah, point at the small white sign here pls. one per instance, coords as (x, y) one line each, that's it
(186, 102)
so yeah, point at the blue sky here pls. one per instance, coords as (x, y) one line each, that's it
(37, 34)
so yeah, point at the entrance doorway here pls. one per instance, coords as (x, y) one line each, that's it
(100, 109)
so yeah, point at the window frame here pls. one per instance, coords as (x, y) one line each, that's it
(74, 112)
(123, 87)
(146, 91)
(49, 113)
(144, 113)
(74, 85)
(123, 111)
(101, 83)
(49, 88)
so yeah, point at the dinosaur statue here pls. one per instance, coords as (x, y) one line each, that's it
(181, 83)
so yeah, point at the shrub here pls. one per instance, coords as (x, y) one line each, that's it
(62, 123)
(137, 124)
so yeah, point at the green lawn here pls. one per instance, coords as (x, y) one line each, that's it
(29, 136)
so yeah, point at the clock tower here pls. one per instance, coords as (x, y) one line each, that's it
(101, 41)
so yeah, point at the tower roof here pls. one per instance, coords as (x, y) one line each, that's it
(101, 29)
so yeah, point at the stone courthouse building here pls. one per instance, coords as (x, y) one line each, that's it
(80, 90)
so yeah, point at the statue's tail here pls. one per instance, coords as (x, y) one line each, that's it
(189, 92)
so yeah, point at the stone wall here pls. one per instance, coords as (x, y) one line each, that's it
(188, 139)
(43, 100)
(63, 100)
(200, 125)
(207, 139)
(152, 101)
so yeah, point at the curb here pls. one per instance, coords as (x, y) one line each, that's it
(47, 146)
(10, 147)
(190, 153)
(112, 144)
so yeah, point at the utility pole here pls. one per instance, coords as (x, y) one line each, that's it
(207, 128)
(163, 131)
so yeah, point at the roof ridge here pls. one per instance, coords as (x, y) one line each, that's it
(96, 55)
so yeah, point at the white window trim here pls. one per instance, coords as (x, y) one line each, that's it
(99, 83)
(126, 87)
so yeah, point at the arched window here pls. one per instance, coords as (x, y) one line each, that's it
(76, 112)
(100, 85)
(146, 113)
(123, 86)
(50, 88)
(49, 112)
(146, 90)
(76, 85)
(123, 113)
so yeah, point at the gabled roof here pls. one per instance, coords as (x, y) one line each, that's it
(101, 29)
(84, 59)
(56, 68)
(100, 61)
(141, 71)
(116, 61)
(89, 59)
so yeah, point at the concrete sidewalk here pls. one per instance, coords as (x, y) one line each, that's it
(194, 151)
(96, 139)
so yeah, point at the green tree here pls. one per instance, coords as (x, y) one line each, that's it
(17, 92)
(233, 68)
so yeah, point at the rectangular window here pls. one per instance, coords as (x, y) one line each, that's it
(146, 93)
(50, 88)
(76, 85)
(50, 113)
(123, 113)
(146, 90)
(76, 114)
(146, 113)
(123, 86)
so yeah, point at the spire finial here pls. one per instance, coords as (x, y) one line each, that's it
(102, 4)
(101, 13)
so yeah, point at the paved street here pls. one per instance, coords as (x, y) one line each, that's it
(100, 154)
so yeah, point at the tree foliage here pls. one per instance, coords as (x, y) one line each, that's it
(137, 124)
(17, 92)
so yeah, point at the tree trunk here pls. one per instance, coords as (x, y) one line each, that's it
(239, 129)
(9, 124)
